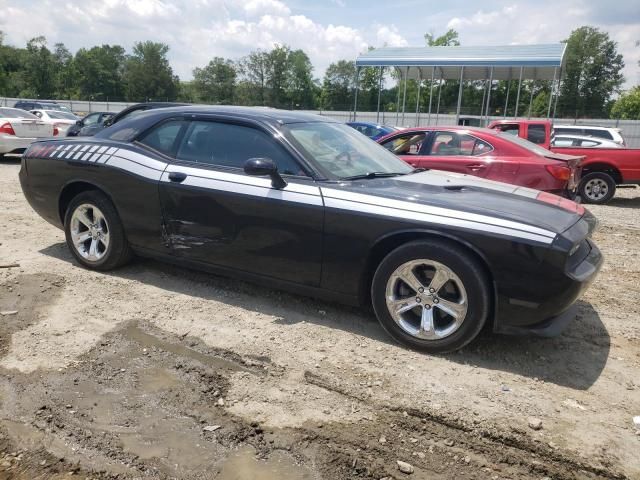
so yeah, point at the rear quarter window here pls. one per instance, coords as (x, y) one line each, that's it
(598, 133)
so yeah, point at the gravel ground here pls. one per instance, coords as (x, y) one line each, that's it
(153, 371)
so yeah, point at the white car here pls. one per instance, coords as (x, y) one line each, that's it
(583, 142)
(58, 118)
(18, 128)
(606, 133)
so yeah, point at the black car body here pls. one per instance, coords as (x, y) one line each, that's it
(94, 118)
(93, 128)
(307, 230)
(39, 105)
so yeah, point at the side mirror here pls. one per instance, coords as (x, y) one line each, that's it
(108, 122)
(262, 167)
(79, 123)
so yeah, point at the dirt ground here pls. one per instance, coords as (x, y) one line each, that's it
(153, 371)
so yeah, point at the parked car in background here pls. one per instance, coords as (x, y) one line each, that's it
(61, 120)
(19, 128)
(91, 119)
(606, 133)
(373, 130)
(304, 203)
(90, 130)
(485, 153)
(602, 168)
(40, 105)
(567, 140)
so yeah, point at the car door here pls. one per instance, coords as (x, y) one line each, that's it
(216, 214)
(458, 152)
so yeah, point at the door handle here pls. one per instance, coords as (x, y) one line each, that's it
(177, 177)
(476, 166)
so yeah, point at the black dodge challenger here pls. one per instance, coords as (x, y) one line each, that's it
(310, 205)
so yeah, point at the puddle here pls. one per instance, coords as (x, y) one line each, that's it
(242, 465)
(157, 379)
(146, 340)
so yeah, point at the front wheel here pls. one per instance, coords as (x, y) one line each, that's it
(431, 295)
(94, 232)
(597, 188)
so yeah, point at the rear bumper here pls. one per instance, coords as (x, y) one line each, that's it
(11, 143)
(551, 317)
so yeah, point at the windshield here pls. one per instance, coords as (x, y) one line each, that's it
(532, 147)
(60, 114)
(342, 152)
(15, 113)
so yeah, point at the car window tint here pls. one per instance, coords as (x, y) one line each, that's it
(589, 143)
(592, 132)
(455, 144)
(15, 113)
(536, 134)
(230, 145)
(408, 144)
(163, 138)
(91, 119)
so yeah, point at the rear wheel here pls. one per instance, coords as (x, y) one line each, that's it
(431, 295)
(597, 188)
(94, 232)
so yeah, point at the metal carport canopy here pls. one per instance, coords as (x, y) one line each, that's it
(538, 62)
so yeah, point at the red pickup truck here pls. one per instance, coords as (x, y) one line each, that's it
(602, 168)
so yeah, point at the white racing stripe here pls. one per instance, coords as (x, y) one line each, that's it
(152, 169)
(357, 201)
(291, 193)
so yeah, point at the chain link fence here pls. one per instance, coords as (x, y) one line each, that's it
(630, 128)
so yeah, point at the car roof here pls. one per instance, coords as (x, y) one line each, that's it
(577, 127)
(255, 113)
(455, 128)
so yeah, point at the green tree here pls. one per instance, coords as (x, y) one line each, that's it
(277, 75)
(300, 85)
(593, 73)
(450, 38)
(216, 82)
(627, 107)
(148, 75)
(39, 70)
(338, 85)
(253, 87)
(99, 72)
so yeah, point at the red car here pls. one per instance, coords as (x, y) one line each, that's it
(488, 154)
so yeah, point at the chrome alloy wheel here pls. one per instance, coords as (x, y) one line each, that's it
(595, 189)
(89, 232)
(426, 299)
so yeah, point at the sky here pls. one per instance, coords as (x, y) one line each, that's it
(328, 30)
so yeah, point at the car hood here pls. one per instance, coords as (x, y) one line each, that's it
(464, 194)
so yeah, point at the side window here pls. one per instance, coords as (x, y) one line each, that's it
(598, 133)
(562, 142)
(90, 119)
(407, 144)
(164, 137)
(231, 145)
(511, 129)
(454, 144)
(536, 134)
(589, 143)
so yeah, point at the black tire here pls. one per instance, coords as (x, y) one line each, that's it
(601, 181)
(469, 272)
(118, 251)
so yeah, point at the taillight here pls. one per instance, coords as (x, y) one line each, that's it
(559, 171)
(55, 130)
(561, 202)
(7, 129)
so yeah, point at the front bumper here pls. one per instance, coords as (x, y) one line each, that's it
(550, 318)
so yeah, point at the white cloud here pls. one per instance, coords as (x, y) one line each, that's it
(264, 7)
(389, 36)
